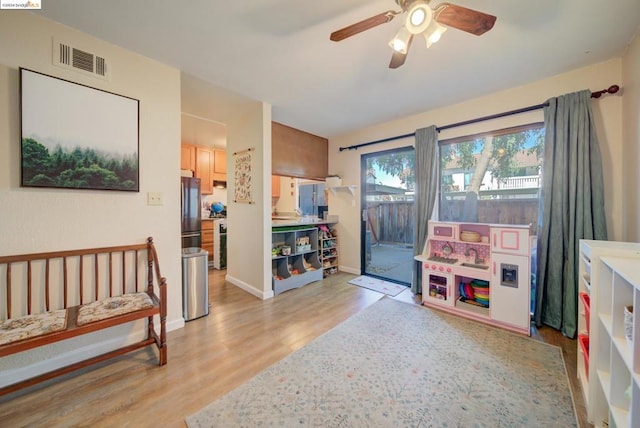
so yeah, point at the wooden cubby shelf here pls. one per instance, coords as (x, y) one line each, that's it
(294, 257)
(328, 243)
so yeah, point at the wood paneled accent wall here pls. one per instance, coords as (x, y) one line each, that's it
(296, 153)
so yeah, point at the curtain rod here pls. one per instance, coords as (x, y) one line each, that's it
(597, 94)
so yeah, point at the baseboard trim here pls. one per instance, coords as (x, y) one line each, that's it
(264, 295)
(175, 324)
(69, 356)
(349, 270)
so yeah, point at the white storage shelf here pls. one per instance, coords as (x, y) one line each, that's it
(302, 265)
(602, 326)
(618, 359)
(348, 189)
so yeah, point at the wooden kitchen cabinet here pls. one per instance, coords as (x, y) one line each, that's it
(275, 186)
(207, 237)
(208, 164)
(220, 162)
(296, 153)
(204, 169)
(188, 157)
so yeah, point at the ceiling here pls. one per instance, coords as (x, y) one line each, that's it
(278, 51)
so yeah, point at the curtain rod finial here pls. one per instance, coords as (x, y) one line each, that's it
(610, 90)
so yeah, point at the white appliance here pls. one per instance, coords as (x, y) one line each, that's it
(510, 276)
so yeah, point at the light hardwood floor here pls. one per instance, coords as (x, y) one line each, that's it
(209, 357)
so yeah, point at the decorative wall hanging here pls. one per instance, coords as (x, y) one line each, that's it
(243, 174)
(75, 136)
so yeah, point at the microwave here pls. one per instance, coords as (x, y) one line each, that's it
(443, 230)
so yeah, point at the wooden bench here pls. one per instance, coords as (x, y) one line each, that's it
(49, 297)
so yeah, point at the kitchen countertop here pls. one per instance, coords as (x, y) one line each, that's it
(283, 222)
(301, 221)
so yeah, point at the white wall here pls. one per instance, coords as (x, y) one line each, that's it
(37, 220)
(608, 116)
(631, 141)
(203, 131)
(249, 225)
(248, 124)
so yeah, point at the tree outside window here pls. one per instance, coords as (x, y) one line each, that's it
(493, 177)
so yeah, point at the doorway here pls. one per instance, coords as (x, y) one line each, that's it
(388, 183)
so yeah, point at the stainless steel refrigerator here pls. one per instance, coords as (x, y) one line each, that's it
(191, 215)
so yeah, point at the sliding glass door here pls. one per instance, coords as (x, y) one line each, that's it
(387, 183)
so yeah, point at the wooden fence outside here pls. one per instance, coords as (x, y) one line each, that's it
(393, 222)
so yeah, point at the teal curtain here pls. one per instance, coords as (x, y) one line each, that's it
(571, 207)
(425, 194)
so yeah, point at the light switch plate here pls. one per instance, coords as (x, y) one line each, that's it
(154, 198)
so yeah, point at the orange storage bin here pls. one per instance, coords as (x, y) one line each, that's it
(586, 301)
(583, 339)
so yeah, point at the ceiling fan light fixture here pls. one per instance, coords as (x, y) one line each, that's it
(419, 17)
(400, 42)
(433, 33)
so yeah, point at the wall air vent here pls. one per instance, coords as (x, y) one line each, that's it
(67, 56)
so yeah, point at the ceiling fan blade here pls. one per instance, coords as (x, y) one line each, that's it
(361, 26)
(399, 58)
(464, 19)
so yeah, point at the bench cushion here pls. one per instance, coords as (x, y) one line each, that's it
(32, 326)
(113, 306)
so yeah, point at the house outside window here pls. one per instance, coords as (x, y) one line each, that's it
(493, 177)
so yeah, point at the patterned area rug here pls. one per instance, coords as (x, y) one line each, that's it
(378, 285)
(396, 364)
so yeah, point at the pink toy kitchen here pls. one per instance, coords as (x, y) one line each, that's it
(479, 271)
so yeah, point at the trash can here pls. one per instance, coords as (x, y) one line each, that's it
(195, 283)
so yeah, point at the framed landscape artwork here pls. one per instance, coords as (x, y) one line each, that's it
(77, 137)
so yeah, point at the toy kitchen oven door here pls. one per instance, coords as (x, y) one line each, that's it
(440, 286)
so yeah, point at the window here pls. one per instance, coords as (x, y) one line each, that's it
(311, 197)
(493, 177)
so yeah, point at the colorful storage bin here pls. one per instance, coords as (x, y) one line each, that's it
(586, 302)
(583, 339)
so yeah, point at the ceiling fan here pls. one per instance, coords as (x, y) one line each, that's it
(421, 20)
